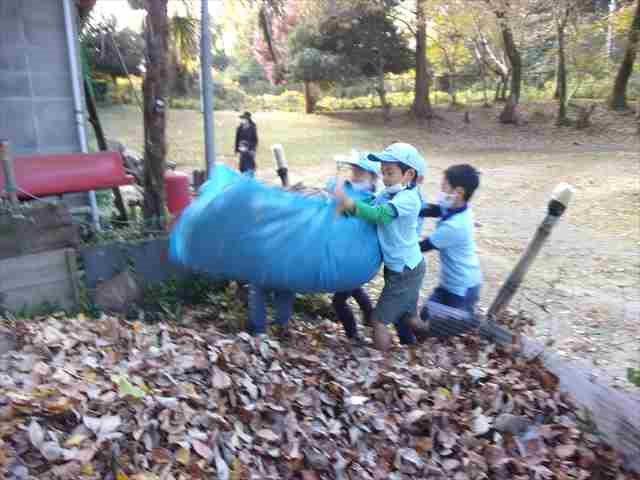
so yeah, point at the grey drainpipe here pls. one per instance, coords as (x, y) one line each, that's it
(77, 96)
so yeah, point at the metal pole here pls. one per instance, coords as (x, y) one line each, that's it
(77, 98)
(559, 202)
(9, 174)
(207, 88)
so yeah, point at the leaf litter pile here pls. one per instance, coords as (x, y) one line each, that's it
(109, 399)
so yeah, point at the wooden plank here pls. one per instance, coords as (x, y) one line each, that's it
(31, 280)
(615, 413)
(47, 227)
(44, 215)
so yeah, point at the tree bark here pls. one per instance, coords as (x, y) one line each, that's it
(505, 86)
(482, 69)
(619, 94)
(562, 70)
(309, 102)
(421, 103)
(382, 92)
(638, 117)
(452, 90)
(510, 114)
(556, 92)
(155, 88)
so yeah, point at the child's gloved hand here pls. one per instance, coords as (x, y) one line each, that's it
(345, 204)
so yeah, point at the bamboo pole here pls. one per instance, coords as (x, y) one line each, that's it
(559, 202)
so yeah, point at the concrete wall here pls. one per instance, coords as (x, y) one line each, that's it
(36, 105)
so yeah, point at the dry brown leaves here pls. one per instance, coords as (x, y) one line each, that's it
(113, 400)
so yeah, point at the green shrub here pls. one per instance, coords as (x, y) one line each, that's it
(184, 103)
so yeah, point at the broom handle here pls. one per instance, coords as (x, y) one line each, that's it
(559, 202)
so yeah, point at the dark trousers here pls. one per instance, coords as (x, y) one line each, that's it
(344, 312)
(448, 324)
(466, 303)
(282, 304)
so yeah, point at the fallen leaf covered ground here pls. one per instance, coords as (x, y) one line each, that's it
(109, 399)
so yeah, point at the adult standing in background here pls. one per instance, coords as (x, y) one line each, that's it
(246, 144)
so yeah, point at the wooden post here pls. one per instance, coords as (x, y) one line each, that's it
(281, 164)
(9, 174)
(559, 202)
(155, 90)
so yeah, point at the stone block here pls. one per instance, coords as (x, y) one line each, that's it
(52, 85)
(18, 125)
(52, 59)
(13, 59)
(14, 85)
(11, 32)
(55, 124)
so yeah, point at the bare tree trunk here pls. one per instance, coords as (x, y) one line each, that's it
(452, 90)
(309, 102)
(485, 87)
(562, 71)
(382, 92)
(510, 114)
(421, 103)
(612, 9)
(619, 94)
(556, 92)
(155, 87)
(482, 69)
(505, 87)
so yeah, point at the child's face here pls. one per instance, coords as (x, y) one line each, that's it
(360, 175)
(456, 192)
(392, 175)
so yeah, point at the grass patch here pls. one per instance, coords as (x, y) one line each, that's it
(309, 140)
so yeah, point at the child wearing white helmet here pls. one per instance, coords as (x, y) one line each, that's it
(395, 212)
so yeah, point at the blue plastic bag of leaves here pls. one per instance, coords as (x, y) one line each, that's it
(240, 229)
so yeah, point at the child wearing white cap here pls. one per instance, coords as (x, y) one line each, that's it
(395, 212)
(364, 176)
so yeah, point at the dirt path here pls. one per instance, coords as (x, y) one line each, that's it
(584, 290)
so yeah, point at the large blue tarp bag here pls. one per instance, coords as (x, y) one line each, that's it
(240, 229)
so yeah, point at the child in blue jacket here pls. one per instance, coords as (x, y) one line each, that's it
(460, 277)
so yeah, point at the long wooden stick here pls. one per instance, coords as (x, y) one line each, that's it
(559, 202)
